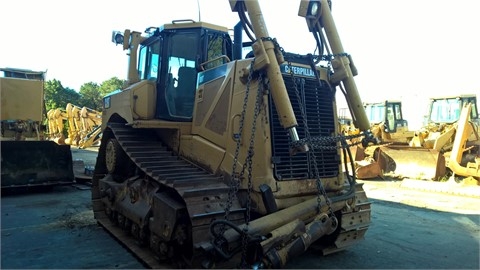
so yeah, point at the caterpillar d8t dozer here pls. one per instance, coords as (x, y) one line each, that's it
(28, 160)
(202, 161)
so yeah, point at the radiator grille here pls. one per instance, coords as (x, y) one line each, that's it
(318, 103)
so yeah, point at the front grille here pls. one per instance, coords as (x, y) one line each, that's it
(318, 102)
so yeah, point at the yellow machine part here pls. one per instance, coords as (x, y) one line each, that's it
(415, 162)
(404, 162)
(21, 99)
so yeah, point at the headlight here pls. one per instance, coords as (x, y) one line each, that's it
(314, 9)
(117, 37)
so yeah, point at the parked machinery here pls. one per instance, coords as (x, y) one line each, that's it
(83, 125)
(448, 144)
(389, 127)
(388, 124)
(202, 162)
(451, 127)
(27, 158)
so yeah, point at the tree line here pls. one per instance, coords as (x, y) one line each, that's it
(90, 94)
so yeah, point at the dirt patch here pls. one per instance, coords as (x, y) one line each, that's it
(88, 155)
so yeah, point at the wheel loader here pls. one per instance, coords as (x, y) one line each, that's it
(447, 146)
(28, 159)
(210, 159)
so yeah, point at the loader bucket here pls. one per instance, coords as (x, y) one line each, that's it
(414, 162)
(35, 163)
(374, 167)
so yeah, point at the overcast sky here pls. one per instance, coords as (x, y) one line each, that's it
(408, 50)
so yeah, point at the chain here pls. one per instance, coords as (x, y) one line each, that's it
(235, 181)
(327, 143)
(275, 44)
(321, 190)
(330, 57)
(326, 57)
(247, 165)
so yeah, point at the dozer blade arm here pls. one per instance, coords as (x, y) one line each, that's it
(464, 130)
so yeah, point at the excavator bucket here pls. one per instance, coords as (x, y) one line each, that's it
(35, 163)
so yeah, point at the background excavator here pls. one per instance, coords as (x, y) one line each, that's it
(447, 146)
(202, 161)
(83, 125)
(28, 159)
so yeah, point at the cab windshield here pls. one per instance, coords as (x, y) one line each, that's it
(446, 110)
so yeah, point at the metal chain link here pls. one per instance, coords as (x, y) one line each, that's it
(325, 57)
(275, 44)
(326, 142)
(235, 181)
(313, 142)
(320, 188)
(248, 165)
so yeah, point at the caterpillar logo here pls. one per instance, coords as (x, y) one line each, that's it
(300, 71)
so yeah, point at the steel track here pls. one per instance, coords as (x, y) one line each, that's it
(193, 184)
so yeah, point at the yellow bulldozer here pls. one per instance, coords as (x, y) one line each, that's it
(388, 124)
(386, 120)
(28, 159)
(203, 163)
(447, 146)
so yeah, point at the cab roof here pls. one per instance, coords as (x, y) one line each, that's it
(180, 24)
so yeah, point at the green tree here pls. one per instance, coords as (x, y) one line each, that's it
(57, 96)
(111, 85)
(91, 96)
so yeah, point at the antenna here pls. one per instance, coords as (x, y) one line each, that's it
(198, 5)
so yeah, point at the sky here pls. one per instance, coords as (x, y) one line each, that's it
(408, 50)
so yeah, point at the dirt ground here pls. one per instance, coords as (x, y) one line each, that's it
(411, 229)
(88, 155)
(436, 196)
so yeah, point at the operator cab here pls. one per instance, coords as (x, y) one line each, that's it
(388, 112)
(173, 55)
(447, 110)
